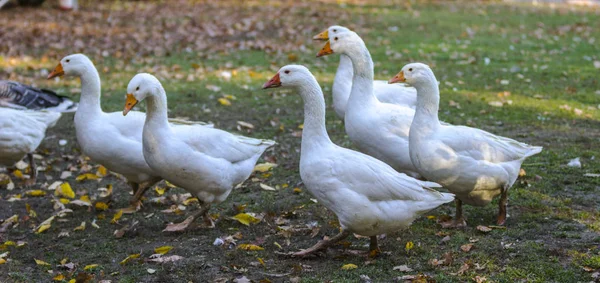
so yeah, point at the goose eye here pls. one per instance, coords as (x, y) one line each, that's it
(68, 60)
(137, 88)
(410, 69)
(335, 30)
(335, 38)
(287, 71)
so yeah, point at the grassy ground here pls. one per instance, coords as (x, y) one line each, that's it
(537, 62)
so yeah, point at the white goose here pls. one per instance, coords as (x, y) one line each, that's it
(474, 164)
(108, 138)
(377, 129)
(206, 162)
(22, 132)
(342, 83)
(368, 196)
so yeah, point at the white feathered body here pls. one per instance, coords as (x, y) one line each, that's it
(368, 196)
(22, 131)
(205, 161)
(471, 163)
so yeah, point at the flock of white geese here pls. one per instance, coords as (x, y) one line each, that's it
(405, 152)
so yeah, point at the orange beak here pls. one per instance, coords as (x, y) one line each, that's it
(399, 78)
(129, 103)
(326, 50)
(58, 71)
(324, 35)
(273, 82)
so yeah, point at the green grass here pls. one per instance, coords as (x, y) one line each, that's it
(546, 55)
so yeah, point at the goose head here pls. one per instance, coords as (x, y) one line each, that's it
(139, 88)
(290, 76)
(330, 32)
(71, 65)
(344, 43)
(415, 74)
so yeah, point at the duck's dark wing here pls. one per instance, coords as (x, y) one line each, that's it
(20, 96)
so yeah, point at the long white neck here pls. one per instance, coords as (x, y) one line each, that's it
(314, 134)
(89, 103)
(361, 95)
(342, 85)
(156, 112)
(428, 101)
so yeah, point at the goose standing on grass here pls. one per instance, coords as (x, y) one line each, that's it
(473, 164)
(368, 196)
(108, 138)
(377, 129)
(21, 96)
(21, 132)
(342, 83)
(206, 162)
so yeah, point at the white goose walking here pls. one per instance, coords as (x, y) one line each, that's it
(368, 196)
(473, 164)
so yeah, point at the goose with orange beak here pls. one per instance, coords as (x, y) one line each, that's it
(368, 196)
(376, 128)
(342, 83)
(206, 162)
(473, 164)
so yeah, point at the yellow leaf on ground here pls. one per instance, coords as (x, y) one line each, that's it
(223, 101)
(163, 250)
(246, 219)
(128, 258)
(117, 216)
(80, 227)
(409, 246)
(35, 193)
(250, 247)
(30, 211)
(101, 206)
(64, 200)
(90, 266)
(43, 228)
(159, 191)
(40, 262)
(65, 190)
(85, 198)
(19, 174)
(44, 225)
(264, 167)
(59, 277)
(9, 243)
(190, 200)
(297, 190)
(349, 266)
(86, 176)
(2, 261)
(73, 281)
(101, 171)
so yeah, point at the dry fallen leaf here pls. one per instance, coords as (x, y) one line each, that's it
(466, 247)
(128, 258)
(250, 247)
(44, 225)
(264, 167)
(86, 176)
(224, 101)
(90, 266)
(403, 268)
(484, 229)
(101, 206)
(246, 219)
(59, 277)
(163, 250)
(349, 266)
(65, 190)
(35, 193)
(80, 227)
(166, 259)
(117, 216)
(41, 262)
(409, 246)
(266, 187)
